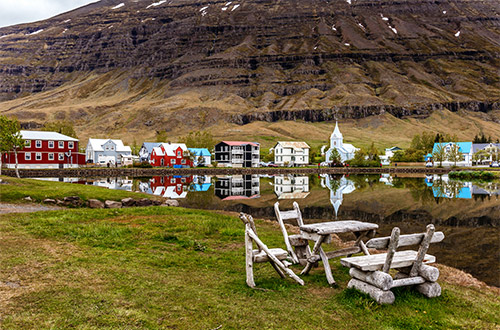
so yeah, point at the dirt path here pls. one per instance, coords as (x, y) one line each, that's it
(23, 208)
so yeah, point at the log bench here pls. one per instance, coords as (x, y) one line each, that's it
(370, 273)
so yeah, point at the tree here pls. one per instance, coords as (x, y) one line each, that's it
(199, 139)
(10, 138)
(439, 153)
(454, 155)
(63, 127)
(334, 156)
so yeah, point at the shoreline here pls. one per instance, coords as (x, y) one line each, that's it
(147, 172)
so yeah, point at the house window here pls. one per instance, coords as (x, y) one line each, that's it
(61, 144)
(172, 161)
(162, 162)
(27, 143)
(51, 156)
(178, 153)
(162, 180)
(183, 180)
(172, 180)
(38, 143)
(61, 156)
(51, 144)
(71, 145)
(38, 156)
(183, 161)
(27, 156)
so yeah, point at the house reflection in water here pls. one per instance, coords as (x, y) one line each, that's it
(201, 183)
(237, 187)
(338, 188)
(173, 186)
(443, 187)
(113, 183)
(291, 186)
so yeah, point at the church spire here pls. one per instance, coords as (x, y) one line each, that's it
(336, 132)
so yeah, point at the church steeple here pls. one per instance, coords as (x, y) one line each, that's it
(336, 132)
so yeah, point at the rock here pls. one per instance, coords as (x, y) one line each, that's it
(144, 202)
(49, 201)
(28, 199)
(71, 199)
(95, 204)
(126, 202)
(156, 202)
(60, 202)
(112, 204)
(171, 202)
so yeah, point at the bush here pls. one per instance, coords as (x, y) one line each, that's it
(472, 175)
(143, 165)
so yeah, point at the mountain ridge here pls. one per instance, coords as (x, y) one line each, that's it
(160, 64)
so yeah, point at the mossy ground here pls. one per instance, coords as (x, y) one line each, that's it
(177, 268)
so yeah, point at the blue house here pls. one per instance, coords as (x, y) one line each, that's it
(202, 157)
(465, 148)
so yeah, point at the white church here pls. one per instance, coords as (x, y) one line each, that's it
(345, 150)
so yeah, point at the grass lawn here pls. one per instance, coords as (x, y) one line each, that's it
(17, 189)
(175, 268)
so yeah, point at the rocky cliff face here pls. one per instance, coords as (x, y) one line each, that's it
(257, 59)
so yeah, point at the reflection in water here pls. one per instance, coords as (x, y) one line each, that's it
(291, 186)
(237, 187)
(337, 189)
(172, 186)
(113, 183)
(443, 187)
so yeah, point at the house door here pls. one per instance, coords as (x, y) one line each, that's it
(162, 162)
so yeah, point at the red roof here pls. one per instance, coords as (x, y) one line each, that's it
(233, 198)
(239, 143)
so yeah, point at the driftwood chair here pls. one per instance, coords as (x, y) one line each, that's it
(297, 245)
(276, 256)
(370, 273)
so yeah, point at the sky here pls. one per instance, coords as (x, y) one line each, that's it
(25, 11)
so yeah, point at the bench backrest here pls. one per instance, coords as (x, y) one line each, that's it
(286, 215)
(247, 219)
(396, 240)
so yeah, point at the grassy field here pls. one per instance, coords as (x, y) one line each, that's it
(17, 189)
(177, 268)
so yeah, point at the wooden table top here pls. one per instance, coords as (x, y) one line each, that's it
(335, 227)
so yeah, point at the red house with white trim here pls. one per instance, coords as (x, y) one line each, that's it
(171, 155)
(46, 150)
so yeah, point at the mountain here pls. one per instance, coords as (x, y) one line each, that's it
(139, 66)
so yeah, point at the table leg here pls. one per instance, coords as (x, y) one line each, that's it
(326, 264)
(315, 251)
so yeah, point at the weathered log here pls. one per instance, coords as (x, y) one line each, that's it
(249, 257)
(317, 246)
(430, 273)
(404, 240)
(314, 237)
(380, 296)
(297, 240)
(429, 289)
(326, 265)
(393, 244)
(337, 253)
(422, 250)
(407, 281)
(261, 256)
(376, 261)
(377, 278)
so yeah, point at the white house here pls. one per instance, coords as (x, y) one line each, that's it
(389, 152)
(106, 151)
(464, 148)
(293, 153)
(345, 150)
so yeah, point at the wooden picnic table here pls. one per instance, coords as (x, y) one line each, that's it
(321, 233)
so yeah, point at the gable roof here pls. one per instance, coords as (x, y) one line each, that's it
(170, 148)
(200, 152)
(150, 145)
(463, 147)
(240, 143)
(97, 144)
(480, 146)
(293, 144)
(43, 135)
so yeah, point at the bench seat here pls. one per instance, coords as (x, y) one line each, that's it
(261, 256)
(376, 261)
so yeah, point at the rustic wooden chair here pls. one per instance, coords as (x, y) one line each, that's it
(297, 245)
(370, 273)
(276, 256)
